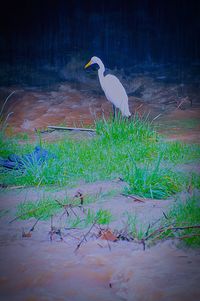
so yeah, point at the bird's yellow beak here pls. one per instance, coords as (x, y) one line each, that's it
(88, 64)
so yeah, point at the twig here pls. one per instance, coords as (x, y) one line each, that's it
(68, 234)
(188, 236)
(64, 206)
(147, 231)
(64, 214)
(109, 247)
(184, 228)
(28, 234)
(182, 101)
(85, 235)
(156, 221)
(33, 227)
(59, 233)
(70, 206)
(166, 228)
(165, 215)
(143, 244)
(136, 199)
(72, 228)
(51, 231)
(154, 232)
(156, 117)
(177, 237)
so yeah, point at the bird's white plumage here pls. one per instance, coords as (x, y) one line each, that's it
(112, 88)
(116, 93)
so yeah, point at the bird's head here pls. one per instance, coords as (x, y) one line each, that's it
(93, 60)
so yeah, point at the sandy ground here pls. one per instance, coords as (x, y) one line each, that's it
(36, 269)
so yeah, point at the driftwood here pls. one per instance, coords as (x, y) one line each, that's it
(70, 128)
(11, 187)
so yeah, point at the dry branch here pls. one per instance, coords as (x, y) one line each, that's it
(188, 236)
(70, 128)
(33, 227)
(162, 229)
(85, 235)
(136, 199)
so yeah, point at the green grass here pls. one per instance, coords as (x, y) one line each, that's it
(11, 145)
(194, 181)
(134, 227)
(107, 156)
(101, 217)
(3, 212)
(122, 129)
(179, 152)
(183, 214)
(7, 146)
(152, 181)
(42, 209)
(45, 208)
(179, 124)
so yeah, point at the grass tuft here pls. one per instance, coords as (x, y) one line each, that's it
(186, 214)
(42, 209)
(152, 181)
(133, 225)
(124, 129)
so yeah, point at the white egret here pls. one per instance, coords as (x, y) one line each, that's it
(112, 88)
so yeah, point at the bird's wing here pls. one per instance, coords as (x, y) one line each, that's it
(114, 90)
(116, 93)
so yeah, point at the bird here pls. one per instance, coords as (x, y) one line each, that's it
(112, 87)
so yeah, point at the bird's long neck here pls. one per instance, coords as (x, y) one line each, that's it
(101, 71)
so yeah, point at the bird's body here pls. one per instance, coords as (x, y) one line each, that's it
(112, 88)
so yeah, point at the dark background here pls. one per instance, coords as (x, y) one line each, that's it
(46, 35)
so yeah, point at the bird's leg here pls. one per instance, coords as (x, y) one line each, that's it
(114, 112)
